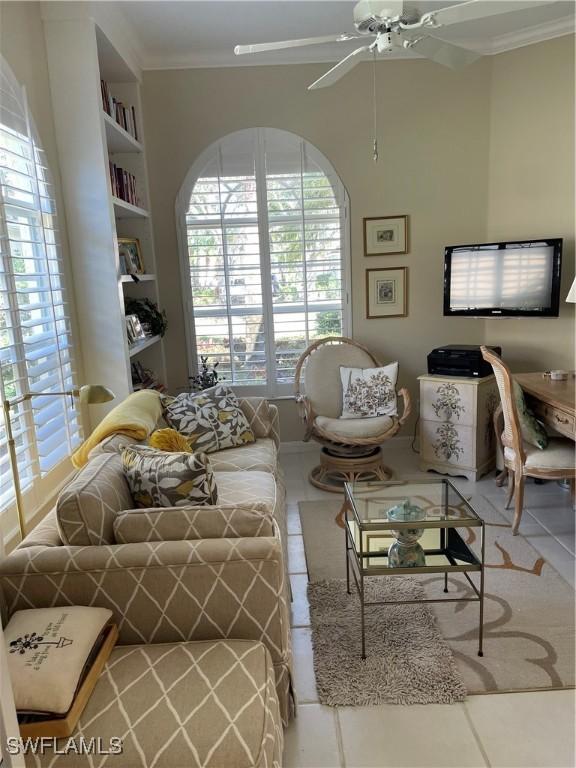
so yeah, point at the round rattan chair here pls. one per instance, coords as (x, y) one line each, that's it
(350, 447)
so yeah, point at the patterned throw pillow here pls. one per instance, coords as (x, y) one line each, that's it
(162, 479)
(368, 392)
(211, 420)
(532, 431)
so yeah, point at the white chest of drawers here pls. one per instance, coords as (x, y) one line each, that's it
(456, 428)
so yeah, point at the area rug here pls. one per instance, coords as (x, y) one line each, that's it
(529, 635)
(407, 659)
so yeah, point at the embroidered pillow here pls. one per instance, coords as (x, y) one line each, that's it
(532, 431)
(211, 420)
(369, 392)
(162, 479)
(48, 649)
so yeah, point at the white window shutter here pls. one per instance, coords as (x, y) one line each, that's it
(35, 327)
(266, 256)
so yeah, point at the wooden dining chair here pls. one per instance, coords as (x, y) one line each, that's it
(556, 462)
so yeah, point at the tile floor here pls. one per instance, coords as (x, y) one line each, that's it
(501, 731)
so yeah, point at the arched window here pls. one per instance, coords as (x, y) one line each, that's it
(263, 223)
(35, 332)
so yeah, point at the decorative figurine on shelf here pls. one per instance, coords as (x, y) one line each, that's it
(206, 377)
(405, 552)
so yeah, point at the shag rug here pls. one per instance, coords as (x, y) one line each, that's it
(407, 659)
(529, 629)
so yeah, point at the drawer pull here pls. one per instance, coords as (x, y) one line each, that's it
(560, 420)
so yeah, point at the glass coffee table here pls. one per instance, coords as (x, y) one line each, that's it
(403, 528)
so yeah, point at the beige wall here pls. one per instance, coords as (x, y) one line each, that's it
(484, 153)
(531, 185)
(433, 166)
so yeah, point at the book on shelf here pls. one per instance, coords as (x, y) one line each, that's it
(123, 114)
(123, 185)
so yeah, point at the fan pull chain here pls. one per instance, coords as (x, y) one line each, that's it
(375, 111)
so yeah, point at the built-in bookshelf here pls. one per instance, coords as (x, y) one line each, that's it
(101, 141)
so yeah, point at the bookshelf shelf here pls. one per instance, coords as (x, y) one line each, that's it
(101, 160)
(124, 210)
(117, 139)
(140, 346)
(142, 279)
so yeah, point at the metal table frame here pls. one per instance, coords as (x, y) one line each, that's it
(355, 561)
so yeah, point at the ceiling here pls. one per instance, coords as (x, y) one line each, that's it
(203, 33)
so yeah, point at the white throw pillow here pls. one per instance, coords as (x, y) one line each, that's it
(369, 392)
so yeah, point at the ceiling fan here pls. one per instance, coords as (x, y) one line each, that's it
(393, 29)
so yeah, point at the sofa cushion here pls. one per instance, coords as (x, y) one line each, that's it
(113, 444)
(190, 523)
(88, 504)
(236, 488)
(260, 456)
(377, 425)
(211, 420)
(198, 704)
(165, 479)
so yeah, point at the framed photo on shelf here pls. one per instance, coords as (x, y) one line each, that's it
(386, 292)
(134, 329)
(385, 236)
(130, 255)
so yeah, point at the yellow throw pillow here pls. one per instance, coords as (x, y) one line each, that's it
(170, 440)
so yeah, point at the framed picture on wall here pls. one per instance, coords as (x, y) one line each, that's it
(387, 292)
(386, 236)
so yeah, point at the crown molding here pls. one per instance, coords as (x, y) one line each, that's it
(530, 35)
(216, 59)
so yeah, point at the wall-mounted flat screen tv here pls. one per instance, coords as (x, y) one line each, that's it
(519, 278)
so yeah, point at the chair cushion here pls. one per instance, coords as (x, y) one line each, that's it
(322, 385)
(88, 504)
(211, 420)
(369, 392)
(205, 703)
(165, 479)
(238, 488)
(560, 454)
(260, 456)
(350, 428)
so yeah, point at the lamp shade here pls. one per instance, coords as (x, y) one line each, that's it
(92, 394)
(572, 293)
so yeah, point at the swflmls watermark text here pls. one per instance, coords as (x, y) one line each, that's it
(42, 745)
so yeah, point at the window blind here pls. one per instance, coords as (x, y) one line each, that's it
(265, 239)
(36, 353)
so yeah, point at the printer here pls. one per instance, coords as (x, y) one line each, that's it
(460, 360)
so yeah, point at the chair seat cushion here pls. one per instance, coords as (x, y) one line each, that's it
(560, 454)
(354, 428)
(208, 704)
(259, 456)
(238, 488)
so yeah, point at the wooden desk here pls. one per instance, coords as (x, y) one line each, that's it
(553, 402)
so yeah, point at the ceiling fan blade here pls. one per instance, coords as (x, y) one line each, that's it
(262, 47)
(339, 70)
(447, 54)
(473, 10)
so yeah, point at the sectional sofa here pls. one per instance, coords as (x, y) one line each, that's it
(208, 584)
